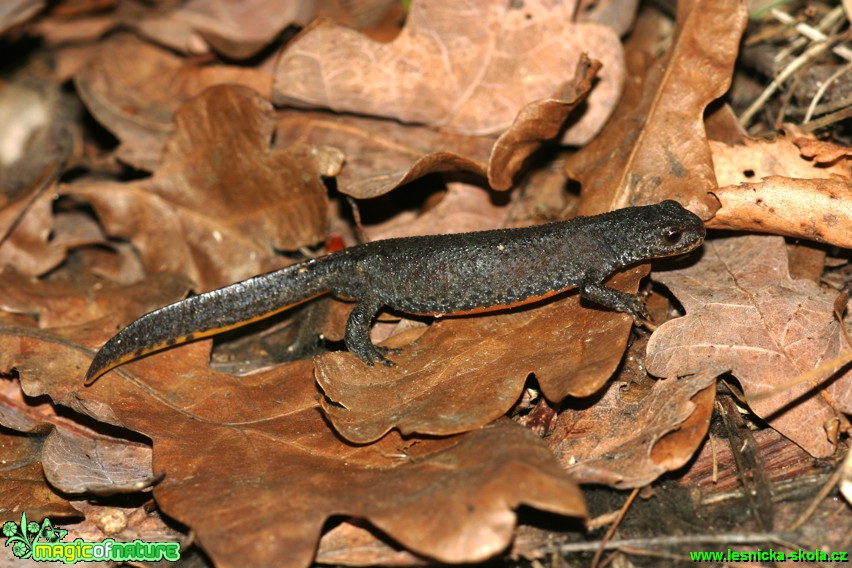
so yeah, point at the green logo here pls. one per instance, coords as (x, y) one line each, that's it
(41, 542)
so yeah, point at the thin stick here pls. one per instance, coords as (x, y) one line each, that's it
(614, 527)
(824, 87)
(823, 493)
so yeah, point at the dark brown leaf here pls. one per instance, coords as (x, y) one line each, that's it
(225, 442)
(472, 369)
(222, 202)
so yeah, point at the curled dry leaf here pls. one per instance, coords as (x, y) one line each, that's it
(77, 462)
(222, 202)
(767, 186)
(473, 368)
(537, 121)
(815, 209)
(521, 53)
(655, 147)
(237, 30)
(625, 443)
(133, 90)
(225, 442)
(822, 151)
(382, 155)
(744, 314)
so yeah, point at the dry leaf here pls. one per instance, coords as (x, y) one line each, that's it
(625, 443)
(523, 52)
(133, 90)
(537, 121)
(59, 303)
(472, 369)
(351, 545)
(238, 30)
(655, 147)
(22, 485)
(754, 160)
(745, 314)
(815, 209)
(14, 12)
(25, 244)
(382, 155)
(222, 202)
(82, 462)
(224, 442)
(822, 151)
(617, 14)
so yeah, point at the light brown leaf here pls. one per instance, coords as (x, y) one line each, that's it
(25, 242)
(537, 121)
(814, 209)
(473, 369)
(756, 159)
(624, 443)
(449, 61)
(133, 90)
(822, 151)
(745, 314)
(237, 30)
(225, 442)
(655, 146)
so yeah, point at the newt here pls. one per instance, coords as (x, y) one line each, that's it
(464, 273)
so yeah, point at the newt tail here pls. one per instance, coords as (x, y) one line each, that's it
(435, 275)
(213, 313)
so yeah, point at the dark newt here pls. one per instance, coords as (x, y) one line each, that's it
(463, 273)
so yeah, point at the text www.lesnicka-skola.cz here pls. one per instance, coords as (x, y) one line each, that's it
(769, 555)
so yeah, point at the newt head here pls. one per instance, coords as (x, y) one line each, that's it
(654, 231)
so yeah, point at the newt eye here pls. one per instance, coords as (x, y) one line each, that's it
(672, 235)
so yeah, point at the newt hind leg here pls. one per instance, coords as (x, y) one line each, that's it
(357, 337)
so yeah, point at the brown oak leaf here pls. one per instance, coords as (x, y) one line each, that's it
(254, 470)
(468, 67)
(222, 202)
(744, 314)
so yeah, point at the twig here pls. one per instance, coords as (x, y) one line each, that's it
(614, 527)
(828, 119)
(821, 91)
(810, 53)
(815, 34)
(823, 493)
